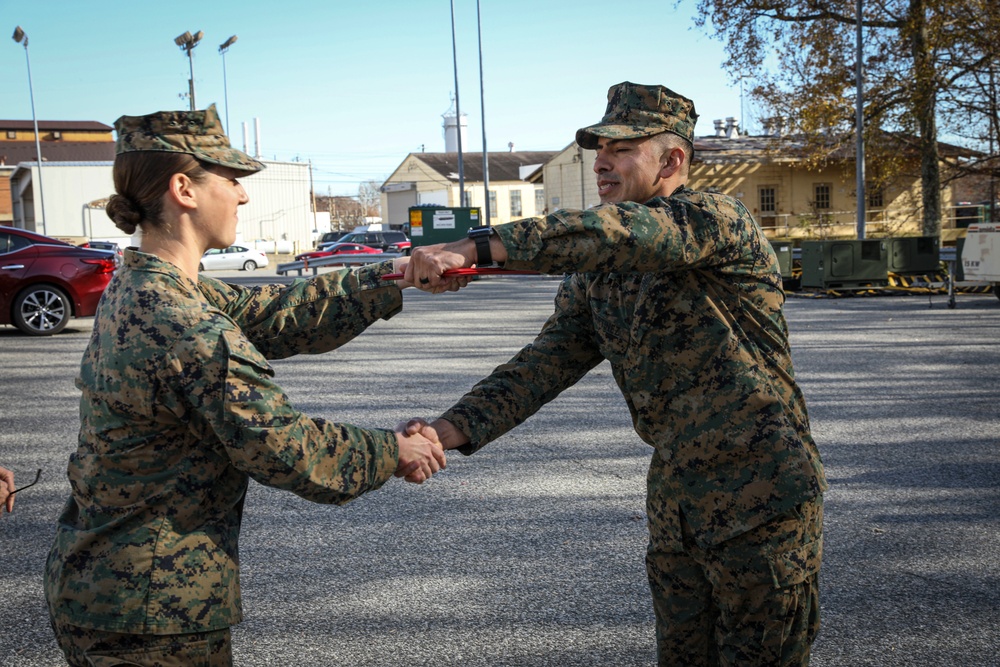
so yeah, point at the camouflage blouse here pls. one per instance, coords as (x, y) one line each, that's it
(179, 409)
(683, 297)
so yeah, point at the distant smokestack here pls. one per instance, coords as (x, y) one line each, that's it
(510, 146)
(719, 131)
(246, 138)
(256, 138)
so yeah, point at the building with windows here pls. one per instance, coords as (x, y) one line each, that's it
(432, 178)
(768, 174)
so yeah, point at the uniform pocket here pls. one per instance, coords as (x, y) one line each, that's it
(612, 339)
(796, 565)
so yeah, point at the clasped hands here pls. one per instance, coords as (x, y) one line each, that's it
(425, 267)
(422, 445)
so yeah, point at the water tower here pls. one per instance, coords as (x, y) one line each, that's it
(452, 126)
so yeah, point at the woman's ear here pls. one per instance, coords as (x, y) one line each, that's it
(180, 190)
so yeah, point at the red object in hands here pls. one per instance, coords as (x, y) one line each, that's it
(487, 271)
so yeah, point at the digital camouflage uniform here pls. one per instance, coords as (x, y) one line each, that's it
(683, 296)
(179, 409)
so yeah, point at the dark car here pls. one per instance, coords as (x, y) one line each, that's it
(380, 240)
(45, 282)
(330, 237)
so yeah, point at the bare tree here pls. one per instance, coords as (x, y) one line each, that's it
(370, 197)
(922, 59)
(345, 212)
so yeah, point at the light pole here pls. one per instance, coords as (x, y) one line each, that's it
(225, 89)
(21, 38)
(458, 114)
(482, 109)
(187, 41)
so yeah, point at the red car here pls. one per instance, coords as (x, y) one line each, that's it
(339, 249)
(45, 282)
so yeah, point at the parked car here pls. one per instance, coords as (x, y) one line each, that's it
(330, 237)
(233, 257)
(380, 240)
(339, 249)
(44, 282)
(402, 247)
(105, 245)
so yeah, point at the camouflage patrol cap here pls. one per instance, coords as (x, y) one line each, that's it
(636, 110)
(197, 133)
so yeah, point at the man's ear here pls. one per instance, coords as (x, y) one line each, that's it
(671, 162)
(180, 189)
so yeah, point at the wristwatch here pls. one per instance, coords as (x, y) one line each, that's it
(481, 237)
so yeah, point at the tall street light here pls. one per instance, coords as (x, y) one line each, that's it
(22, 38)
(225, 89)
(458, 114)
(187, 41)
(482, 111)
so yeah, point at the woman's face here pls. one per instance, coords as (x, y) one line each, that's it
(220, 196)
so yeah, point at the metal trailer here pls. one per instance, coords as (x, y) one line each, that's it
(981, 255)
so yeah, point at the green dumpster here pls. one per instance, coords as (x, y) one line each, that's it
(442, 224)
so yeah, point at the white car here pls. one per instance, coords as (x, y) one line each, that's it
(233, 257)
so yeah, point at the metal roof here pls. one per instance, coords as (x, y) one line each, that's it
(504, 165)
(55, 125)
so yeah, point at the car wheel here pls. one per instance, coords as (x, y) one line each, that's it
(249, 265)
(996, 290)
(41, 310)
(201, 267)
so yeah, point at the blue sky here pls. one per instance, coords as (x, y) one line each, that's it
(355, 86)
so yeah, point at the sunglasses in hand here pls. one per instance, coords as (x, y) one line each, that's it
(38, 476)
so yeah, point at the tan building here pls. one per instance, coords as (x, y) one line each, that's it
(788, 199)
(432, 178)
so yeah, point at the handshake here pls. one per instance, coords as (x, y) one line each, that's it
(425, 268)
(422, 445)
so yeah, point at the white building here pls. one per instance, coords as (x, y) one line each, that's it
(279, 210)
(432, 178)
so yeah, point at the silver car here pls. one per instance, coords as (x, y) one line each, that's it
(233, 257)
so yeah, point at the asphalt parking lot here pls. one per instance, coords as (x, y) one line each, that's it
(531, 552)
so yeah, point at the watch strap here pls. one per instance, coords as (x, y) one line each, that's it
(481, 237)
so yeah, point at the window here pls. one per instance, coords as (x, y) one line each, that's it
(11, 134)
(768, 198)
(515, 203)
(493, 203)
(539, 201)
(875, 197)
(821, 193)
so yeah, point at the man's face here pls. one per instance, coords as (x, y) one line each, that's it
(628, 170)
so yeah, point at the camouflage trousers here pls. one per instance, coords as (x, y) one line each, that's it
(751, 600)
(84, 647)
